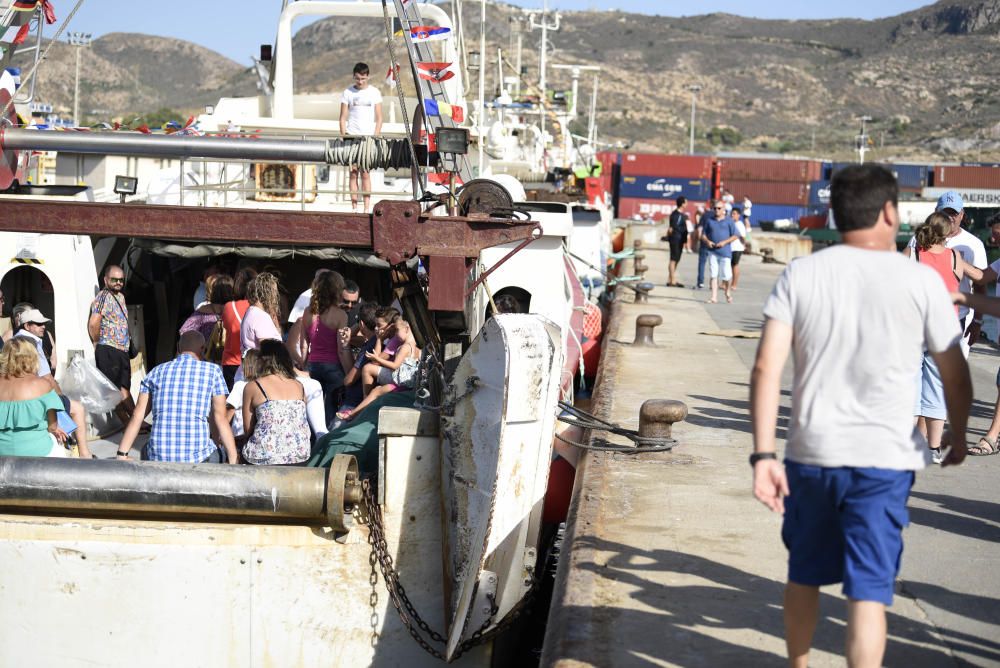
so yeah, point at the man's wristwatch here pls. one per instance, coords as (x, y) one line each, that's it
(757, 456)
(121, 454)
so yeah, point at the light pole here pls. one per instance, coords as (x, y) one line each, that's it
(540, 20)
(78, 40)
(695, 89)
(862, 140)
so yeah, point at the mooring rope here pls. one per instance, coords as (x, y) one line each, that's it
(369, 153)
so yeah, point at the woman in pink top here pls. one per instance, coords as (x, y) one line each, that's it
(260, 322)
(930, 250)
(320, 325)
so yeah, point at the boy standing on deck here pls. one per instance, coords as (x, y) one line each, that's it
(858, 317)
(360, 115)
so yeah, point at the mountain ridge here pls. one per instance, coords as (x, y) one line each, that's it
(925, 76)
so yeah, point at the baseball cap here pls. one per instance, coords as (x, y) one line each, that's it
(950, 200)
(33, 315)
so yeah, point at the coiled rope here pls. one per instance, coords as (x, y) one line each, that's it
(368, 153)
(574, 416)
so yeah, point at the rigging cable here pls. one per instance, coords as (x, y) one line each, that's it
(394, 64)
(369, 153)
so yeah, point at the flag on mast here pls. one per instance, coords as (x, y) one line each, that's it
(420, 34)
(438, 72)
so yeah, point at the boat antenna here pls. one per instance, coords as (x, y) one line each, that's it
(34, 68)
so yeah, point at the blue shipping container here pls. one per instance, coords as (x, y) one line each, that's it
(768, 213)
(652, 187)
(819, 193)
(908, 176)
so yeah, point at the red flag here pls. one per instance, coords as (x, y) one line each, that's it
(49, 11)
(22, 34)
(438, 72)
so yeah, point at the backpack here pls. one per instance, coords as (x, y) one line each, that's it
(216, 343)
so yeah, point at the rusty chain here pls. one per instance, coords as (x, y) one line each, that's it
(371, 514)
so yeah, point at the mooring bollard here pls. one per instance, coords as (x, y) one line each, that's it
(642, 291)
(639, 257)
(637, 244)
(644, 326)
(657, 417)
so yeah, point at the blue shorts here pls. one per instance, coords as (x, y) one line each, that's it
(846, 525)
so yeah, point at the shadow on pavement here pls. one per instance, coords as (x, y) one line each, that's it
(735, 416)
(687, 624)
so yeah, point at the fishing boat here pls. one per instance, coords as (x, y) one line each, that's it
(436, 546)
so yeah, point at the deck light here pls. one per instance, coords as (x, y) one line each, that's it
(126, 185)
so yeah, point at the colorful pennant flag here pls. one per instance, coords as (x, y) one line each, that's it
(391, 75)
(429, 33)
(438, 72)
(452, 111)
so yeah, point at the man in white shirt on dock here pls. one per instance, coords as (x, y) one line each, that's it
(857, 316)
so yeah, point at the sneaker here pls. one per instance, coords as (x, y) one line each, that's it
(937, 455)
(700, 286)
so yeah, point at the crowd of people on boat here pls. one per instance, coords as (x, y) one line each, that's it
(720, 235)
(245, 386)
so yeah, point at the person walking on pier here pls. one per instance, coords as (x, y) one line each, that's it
(852, 449)
(677, 236)
(718, 233)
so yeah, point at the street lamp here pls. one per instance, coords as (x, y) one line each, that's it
(695, 89)
(79, 40)
(862, 140)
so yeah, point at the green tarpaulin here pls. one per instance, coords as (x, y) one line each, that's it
(359, 437)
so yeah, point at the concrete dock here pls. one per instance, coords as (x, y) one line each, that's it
(670, 561)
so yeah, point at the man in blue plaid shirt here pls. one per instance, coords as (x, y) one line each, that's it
(183, 394)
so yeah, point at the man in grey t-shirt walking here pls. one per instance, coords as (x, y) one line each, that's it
(857, 318)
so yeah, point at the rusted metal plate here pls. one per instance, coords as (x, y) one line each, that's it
(446, 289)
(497, 431)
(399, 232)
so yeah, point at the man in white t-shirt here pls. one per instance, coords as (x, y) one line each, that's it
(857, 317)
(972, 250)
(360, 115)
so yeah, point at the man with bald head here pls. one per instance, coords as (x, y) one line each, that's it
(183, 395)
(108, 329)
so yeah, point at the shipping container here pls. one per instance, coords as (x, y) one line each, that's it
(819, 193)
(769, 192)
(766, 169)
(660, 164)
(628, 207)
(652, 187)
(910, 177)
(958, 176)
(768, 213)
(971, 196)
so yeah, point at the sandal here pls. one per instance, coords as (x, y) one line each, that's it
(984, 447)
(344, 415)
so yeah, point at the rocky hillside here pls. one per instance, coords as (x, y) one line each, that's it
(925, 77)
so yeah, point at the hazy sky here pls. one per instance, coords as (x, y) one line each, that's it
(235, 28)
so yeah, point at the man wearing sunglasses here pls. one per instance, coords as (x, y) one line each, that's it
(718, 232)
(108, 329)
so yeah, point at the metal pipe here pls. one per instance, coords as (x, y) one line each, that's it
(136, 143)
(107, 487)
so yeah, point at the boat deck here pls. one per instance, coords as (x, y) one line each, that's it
(669, 561)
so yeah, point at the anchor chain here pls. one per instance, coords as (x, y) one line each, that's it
(371, 514)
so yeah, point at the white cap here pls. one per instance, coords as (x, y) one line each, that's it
(32, 315)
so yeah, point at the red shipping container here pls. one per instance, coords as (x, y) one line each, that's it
(766, 169)
(769, 192)
(660, 164)
(657, 209)
(956, 176)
